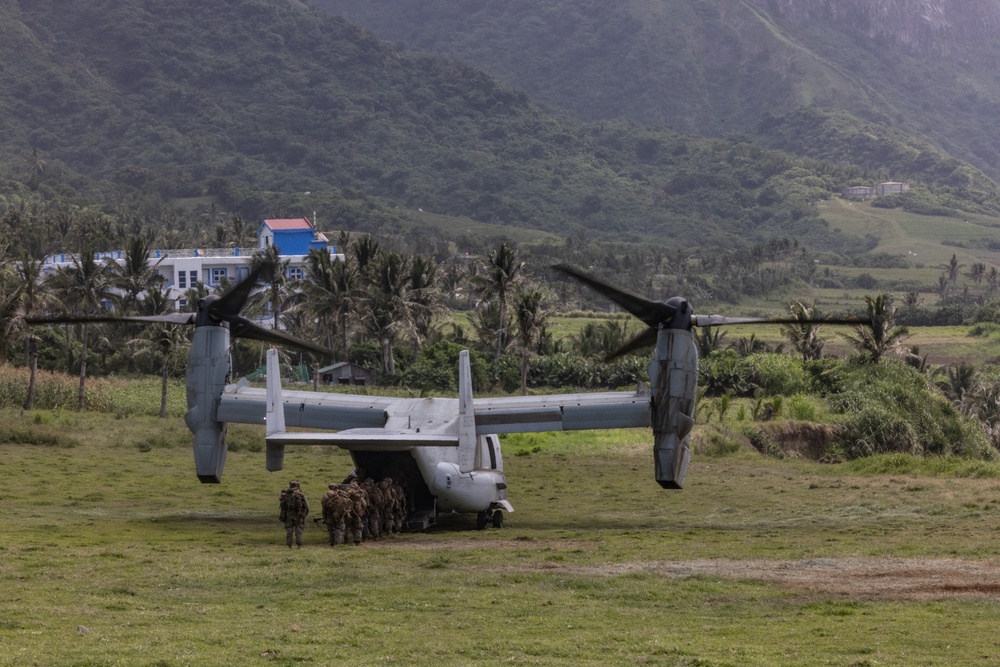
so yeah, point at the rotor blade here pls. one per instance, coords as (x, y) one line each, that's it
(231, 303)
(241, 327)
(719, 320)
(641, 340)
(168, 318)
(650, 312)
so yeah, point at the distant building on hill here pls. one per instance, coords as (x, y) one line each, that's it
(858, 192)
(890, 187)
(862, 192)
(183, 269)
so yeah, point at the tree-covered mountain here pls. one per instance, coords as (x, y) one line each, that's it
(270, 107)
(926, 68)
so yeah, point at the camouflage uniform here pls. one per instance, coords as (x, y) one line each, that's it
(358, 521)
(376, 507)
(337, 507)
(398, 496)
(389, 507)
(294, 509)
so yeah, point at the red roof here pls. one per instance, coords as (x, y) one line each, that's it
(292, 223)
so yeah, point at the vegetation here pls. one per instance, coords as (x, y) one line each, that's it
(811, 80)
(122, 552)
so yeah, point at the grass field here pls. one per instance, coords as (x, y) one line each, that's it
(919, 237)
(113, 554)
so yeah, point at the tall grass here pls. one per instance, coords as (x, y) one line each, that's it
(119, 396)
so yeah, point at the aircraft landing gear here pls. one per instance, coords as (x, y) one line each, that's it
(494, 517)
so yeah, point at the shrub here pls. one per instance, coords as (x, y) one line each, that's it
(436, 367)
(777, 374)
(891, 407)
(803, 408)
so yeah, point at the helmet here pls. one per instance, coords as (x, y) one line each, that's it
(293, 484)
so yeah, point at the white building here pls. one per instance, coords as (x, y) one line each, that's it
(183, 269)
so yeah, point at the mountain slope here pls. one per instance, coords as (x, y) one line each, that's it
(241, 98)
(715, 67)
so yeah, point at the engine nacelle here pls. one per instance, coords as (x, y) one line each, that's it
(673, 378)
(207, 374)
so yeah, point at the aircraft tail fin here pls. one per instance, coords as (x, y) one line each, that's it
(274, 421)
(466, 415)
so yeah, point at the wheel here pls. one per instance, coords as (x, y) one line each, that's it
(481, 520)
(497, 519)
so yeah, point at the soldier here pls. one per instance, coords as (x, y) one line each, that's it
(399, 505)
(389, 507)
(294, 509)
(375, 507)
(336, 511)
(357, 522)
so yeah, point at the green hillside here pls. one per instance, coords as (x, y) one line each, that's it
(717, 67)
(272, 108)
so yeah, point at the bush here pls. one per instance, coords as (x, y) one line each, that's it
(803, 408)
(891, 407)
(436, 367)
(717, 443)
(777, 374)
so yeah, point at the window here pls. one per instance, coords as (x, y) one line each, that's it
(182, 279)
(218, 275)
(194, 278)
(295, 273)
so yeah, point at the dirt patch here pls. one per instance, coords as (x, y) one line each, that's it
(797, 439)
(855, 578)
(859, 578)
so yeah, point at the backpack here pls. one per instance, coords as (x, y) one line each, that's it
(291, 502)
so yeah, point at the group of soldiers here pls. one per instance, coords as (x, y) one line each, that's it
(357, 509)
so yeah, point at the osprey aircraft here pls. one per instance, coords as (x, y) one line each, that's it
(444, 451)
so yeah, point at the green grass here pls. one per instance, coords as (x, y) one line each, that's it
(597, 565)
(919, 237)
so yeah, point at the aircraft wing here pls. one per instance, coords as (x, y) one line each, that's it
(562, 412)
(306, 409)
(382, 440)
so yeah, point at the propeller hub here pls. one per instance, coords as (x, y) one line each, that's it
(681, 316)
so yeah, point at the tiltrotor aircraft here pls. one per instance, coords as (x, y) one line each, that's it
(445, 451)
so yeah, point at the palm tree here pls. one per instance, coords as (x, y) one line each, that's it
(485, 319)
(503, 271)
(959, 383)
(388, 309)
(530, 319)
(424, 294)
(708, 340)
(137, 275)
(164, 340)
(327, 295)
(11, 314)
(977, 272)
(952, 269)
(33, 299)
(804, 333)
(747, 346)
(82, 288)
(194, 294)
(942, 288)
(240, 229)
(277, 288)
(881, 336)
(365, 250)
